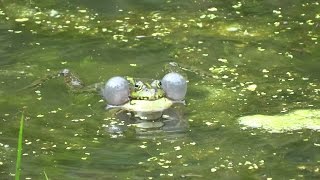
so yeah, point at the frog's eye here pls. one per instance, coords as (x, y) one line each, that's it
(156, 84)
(174, 85)
(116, 91)
(138, 86)
(64, 72)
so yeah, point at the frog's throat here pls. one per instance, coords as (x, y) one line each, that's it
(109, 106)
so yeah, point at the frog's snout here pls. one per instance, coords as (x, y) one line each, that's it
(116, 91)
(175, 86)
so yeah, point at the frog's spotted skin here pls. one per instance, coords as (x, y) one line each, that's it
(143, 90)
(147, 99)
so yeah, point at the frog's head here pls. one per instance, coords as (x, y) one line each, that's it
(144, 95)
(144, 89)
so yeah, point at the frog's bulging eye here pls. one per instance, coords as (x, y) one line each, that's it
(138, 86)
(156, 84)
(64, 72)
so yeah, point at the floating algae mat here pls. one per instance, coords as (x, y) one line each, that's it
(295, 120)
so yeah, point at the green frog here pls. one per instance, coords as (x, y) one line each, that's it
(145, 98)
(148, 103)
(140, 95)
(151, 105)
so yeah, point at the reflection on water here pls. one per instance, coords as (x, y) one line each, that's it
(172, 123)
(242, 58)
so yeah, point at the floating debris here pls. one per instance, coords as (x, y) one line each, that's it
(22, 19)
(208, 123)
(193, 143)
(213, 9)
(142, 146)
(252, 87)
(223, 60)
(213, 169)
(82, 10)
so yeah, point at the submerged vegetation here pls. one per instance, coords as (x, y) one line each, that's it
(252, 63)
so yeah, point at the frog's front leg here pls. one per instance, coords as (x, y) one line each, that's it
(39, 82)
(132, 103)
(70, 79)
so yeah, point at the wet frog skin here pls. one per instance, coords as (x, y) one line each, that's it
(143, 90)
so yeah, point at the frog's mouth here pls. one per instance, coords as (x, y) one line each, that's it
(145, 109)
(149, 98)
(150, 94)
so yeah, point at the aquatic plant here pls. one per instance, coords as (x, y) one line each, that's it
(45, 175)
(19, 150)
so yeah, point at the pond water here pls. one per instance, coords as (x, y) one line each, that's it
(241, 57)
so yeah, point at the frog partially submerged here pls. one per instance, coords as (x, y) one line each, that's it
(147, 103)
(145, 98)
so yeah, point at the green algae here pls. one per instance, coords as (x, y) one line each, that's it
(295, 120)
(240, 58)
(132, 27)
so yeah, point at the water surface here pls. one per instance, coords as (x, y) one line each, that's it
(241, 58)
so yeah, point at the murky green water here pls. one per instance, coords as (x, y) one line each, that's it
(241, 57)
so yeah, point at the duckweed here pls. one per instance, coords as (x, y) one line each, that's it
(249, 63)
